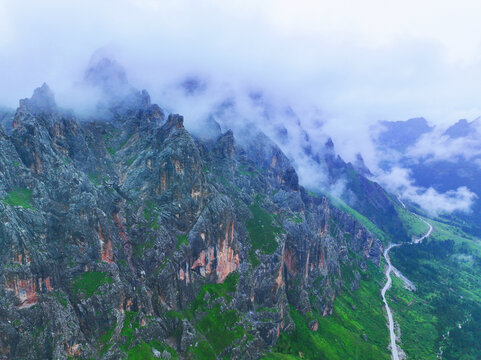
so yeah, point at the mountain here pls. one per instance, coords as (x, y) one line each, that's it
(126, 236)
(399, 135)
(327, 172)
(364, 195)
(6, 118)
(457, 165)
(462, 129)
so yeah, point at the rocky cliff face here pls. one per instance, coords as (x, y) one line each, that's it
(127, 236)
(362, 194)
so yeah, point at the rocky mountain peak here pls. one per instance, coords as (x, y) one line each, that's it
(41, 102)
(462, 128)
(225, 144)
(360, 166)
(193, 85)
(106, 74)
(112, 226)
(118, 97)
(329, 147)
(329, 144)
(175, 121)
(399, 135)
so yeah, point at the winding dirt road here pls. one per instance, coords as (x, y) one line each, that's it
(390, 269)
(386, 287)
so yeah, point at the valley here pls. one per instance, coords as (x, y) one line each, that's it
(142, 238)
(389, 270)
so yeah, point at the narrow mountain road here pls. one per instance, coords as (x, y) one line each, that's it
(390, 269)
(386, 287)
(430, 230)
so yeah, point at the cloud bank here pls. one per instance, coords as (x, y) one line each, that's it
(398, 181)
(339, 65)
(359, 62)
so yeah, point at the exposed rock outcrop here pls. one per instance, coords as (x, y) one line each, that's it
(119, 232)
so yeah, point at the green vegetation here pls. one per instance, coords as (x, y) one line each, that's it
(181, 240)
(140, 247)
(413, 225)
(263, 230)
(417, 322)
(149, 210)
(464, 242)
(61, 298)
(131, 160)
(110, 150)
(128, 330)
(19, 197)
(125, 141)
(219, 327)
(142, 350)
(150, 214)
(368, 224)
(203, 351)
(446, 269)
(297, 218)
(112, 141)
(87, 283)
(95, 179)
(249, 170)
(224, 290)
(108, 140)
(104, 342)
(355, 330)
(371, 202)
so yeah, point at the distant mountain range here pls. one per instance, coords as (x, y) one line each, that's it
(443, 172)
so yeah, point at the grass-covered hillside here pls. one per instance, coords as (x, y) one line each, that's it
(441, 318)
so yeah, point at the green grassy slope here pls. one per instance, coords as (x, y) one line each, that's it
(446, 269)
(355, 330)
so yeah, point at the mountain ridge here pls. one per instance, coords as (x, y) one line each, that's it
(136, 202)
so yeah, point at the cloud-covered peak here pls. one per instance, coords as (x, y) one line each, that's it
(463, 128)
(107, 74)
(399, 135)
(42, 101)
(193, 85)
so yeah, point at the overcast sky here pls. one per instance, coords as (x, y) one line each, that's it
(357, 60)
(353, 62)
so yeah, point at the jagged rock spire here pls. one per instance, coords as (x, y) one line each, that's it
(42, 101)
(107, 74)
(329, 144)
(360, 166)
(117, 94)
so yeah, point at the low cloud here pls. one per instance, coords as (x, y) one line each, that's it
(323, 68)
(399, 181)
(435, 146)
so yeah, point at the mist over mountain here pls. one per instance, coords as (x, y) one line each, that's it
(439, 167)
(240, 180)
(130, 216)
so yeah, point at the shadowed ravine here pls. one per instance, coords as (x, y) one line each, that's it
(387, 286)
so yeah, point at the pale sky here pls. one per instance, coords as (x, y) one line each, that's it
(359, 61)
(352, 62)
